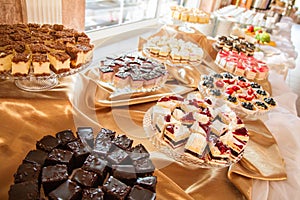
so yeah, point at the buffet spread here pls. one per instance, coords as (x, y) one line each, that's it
(175, 116)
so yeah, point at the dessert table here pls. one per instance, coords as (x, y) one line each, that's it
(268, 170)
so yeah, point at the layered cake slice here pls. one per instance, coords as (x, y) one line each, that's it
(80, 54)
(5, 60)
(41, 65)
(219, 153)
(21, 64)
(176, 134)
(196, 145)
(60, 61)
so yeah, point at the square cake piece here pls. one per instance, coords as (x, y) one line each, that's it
(97, 165)
(124, 173)
(28, 172)
(65, 137)
(36, 156)
(60, 61)
(115, 189)
(26, 190)
(40, 64)
(85, 179)
(196, 145)
(138, 192)
(144, 167)
(20, 64)
(80, 152)
(67, 190)
(53, 176)
(86, 136)
(60, 156)
(92, 194)
(47, 143)
(123, 142)
(148, 182)
(118, 156)
(5, 60)
(102, 146)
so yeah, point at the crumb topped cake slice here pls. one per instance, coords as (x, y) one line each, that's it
(80, 54)
(21, 64)
(5, 60)
(41, 64)
(60, 61)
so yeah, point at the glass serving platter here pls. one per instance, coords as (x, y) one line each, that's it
(179, 154)
(33, 83)
(243, 94)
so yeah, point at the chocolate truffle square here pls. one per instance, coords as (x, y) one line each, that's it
(80, 152)
(26, 191)
(92, 194)
(65, 137)
(123, 142)
(118, 156)
(139, 152)
(85, 178)
(28, 172)
(60, 156)
(86, 135)
(148, 182)
(138, 193)
(102, 146)
(144, 167)
(97, 165)
(106, 133)
(36, 156)
(124, 173)
(47, 143)
(68, 190)
(115, 189)
(53, 176)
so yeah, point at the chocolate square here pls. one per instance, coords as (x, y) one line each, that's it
(60, 156)
(92, 194)
(148, 182)
(86, 135)
(27, 172)
(80, 152)
(144, 167)
(123, 142)
(118, 156)
(139, 152)
(97, 165)
(53, 176)
(124, 173)
(105, 133)
(138, 193)
(65, 137)
(28, 190)
(36, 156)
(85, 178)
(102, 146)
(115, 189)
(47, 143)
(67, 190)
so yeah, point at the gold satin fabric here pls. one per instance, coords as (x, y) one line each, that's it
(79, 101)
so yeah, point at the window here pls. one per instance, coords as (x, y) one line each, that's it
(108, 13)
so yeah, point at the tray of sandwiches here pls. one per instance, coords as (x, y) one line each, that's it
(42, 51)
(245, 97)
(195, 132)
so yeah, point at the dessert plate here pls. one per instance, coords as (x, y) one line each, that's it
(248, 99)
(201, 148)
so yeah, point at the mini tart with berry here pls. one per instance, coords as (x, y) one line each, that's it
(270, 102)
(261, 94)
(261, 106)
